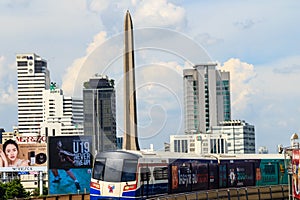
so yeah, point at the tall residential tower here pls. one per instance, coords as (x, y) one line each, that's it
(206, 97)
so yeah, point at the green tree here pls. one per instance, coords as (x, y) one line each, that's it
(13, 189)
(36, 191)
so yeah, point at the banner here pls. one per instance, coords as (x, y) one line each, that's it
(70, 164)
(296, 174)
(23, 157)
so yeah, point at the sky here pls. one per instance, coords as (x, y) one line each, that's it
(256, 41)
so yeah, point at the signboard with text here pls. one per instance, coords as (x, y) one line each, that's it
(296, 174)
(70, 164)
(23, 157)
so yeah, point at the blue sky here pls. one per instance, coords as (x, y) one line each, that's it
(257, 41)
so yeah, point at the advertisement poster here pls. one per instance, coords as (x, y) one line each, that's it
(70, 164)
(174, 177)
(296, 174)
(20, 157)
(240, 175)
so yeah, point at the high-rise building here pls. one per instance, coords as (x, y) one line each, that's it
(206, 97)
(62, 115)
(99, 105)
(1, 134)
(33, 78)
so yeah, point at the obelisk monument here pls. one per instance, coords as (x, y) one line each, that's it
(130, 137)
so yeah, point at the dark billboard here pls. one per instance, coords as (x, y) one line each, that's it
(240, 174)
(70, 163)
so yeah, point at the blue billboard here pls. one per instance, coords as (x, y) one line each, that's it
(70, 164)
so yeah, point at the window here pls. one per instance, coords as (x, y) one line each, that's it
(22, 63)
(160, 173)
(129, 170)
(113, 170)
(184, 148)
(98, 171)
(145, 174)
(269, 169)
(176, 145)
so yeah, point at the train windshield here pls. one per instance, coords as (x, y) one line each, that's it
(115, 170)
(98, 171)
(129, 170)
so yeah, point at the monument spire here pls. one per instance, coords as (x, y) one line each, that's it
(130, 137)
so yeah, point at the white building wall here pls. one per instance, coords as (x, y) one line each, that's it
(62, 115)
(199, 143)
(33, 78)
(190, 100)
(240, 136)
(203, 98)
(230, 137)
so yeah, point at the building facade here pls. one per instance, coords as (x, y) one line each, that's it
(206, 97)
(62, 115)
(1, 134)
(33, 79)
(240, 136)
(263, 150)
(230, 137)
(99, 101)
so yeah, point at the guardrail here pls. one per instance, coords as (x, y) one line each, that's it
(248, 193)
(64, 197)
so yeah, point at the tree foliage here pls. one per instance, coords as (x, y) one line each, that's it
(36, 192)
(13, 189)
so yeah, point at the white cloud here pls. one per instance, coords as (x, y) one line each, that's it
(207, 40)
(98, 39)
(99, 5)
(241, 75)
(8, 94)
(272, 104)
(160, 101)
(159, 13)
(159, 82)
(72, 73)
(279, 78)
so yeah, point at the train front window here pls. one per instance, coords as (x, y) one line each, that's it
(113, 170)
(98, 171)
(129, 170)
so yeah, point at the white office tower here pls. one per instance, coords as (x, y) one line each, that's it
(33, 78)
(62, 115)
(206, 97)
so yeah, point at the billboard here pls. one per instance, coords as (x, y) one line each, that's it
(240, 174)
(17, 157)
(296, 174)
(70, 164)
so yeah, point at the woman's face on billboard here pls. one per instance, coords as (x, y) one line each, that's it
(11, 152)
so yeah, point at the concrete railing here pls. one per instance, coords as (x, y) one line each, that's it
(249, 193)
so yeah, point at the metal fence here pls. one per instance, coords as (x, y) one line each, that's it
(249, 193)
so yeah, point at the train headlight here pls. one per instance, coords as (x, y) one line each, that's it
(95, 185)
(129, 187)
